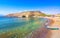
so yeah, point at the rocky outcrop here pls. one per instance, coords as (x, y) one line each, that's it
(26, 14)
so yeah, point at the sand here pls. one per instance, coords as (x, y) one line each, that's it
(55, 23)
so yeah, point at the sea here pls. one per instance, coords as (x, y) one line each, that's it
(19, 27)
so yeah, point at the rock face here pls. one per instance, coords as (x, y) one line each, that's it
(26, 14)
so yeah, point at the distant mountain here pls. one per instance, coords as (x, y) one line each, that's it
(27, 14)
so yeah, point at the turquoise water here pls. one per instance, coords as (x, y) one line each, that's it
(20, 25)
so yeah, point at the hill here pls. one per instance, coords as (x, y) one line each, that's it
(27, 14)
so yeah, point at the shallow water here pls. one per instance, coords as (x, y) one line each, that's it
(19, 27)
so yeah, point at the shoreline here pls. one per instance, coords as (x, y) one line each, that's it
(45, 33)
(55, 23)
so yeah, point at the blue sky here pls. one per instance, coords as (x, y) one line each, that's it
(13, 6)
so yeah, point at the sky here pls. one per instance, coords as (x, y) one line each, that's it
(45, 6)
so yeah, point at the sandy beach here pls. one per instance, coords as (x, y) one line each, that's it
(45, 33)
(55, 23)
